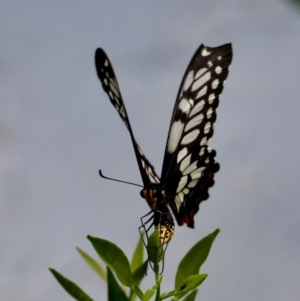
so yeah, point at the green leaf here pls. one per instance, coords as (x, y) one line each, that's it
(191, 283)
(114, 258)
(92, 263)
(195, 257)
(297, 2)
(167, 295)
(148, 294)
(155, 251)
(73, 289)
(138, 291)
(138, 255)
(115, 292)
(140, 272)
(191, 296)
(139, 268)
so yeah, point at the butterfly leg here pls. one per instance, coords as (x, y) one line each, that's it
(143, 226)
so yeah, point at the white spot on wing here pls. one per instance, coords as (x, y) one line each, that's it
(157, 179)
(200, 72)
(215, 84)
(182, 183)
(197, 108)
(180, 196)
(117, 100)
(205, 52)
(191, 168)
(194, 122)
(175, 134)
(202, 150)
(151, 178)
(203, 141)
(207, 127)
(185, 191)
(177, 202)
(185, 163)
(209, 113)
(140, 151)
(114, 87)
(211, 98)
(201, 81)
(122, 112)
(219, 58)
(106, 63)
(188, 138)
(202, 92)
(218, 69)
(182, 154)
(189, 79)
(114, 90)
(114, 81)
(196, 174)
(143, 163)
(184, 106)
(209, 63)
(192, 184)
(191, 102)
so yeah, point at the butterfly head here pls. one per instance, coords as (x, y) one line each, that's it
(154, 195)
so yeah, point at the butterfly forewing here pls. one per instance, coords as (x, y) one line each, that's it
(110, 85)
(189, 164)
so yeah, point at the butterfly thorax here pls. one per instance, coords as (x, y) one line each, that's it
(155, 197)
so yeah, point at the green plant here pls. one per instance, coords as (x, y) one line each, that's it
(121, 274)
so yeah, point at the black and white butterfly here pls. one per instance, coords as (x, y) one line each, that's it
(189, 164)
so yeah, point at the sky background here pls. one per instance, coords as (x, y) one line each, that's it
(58, 128)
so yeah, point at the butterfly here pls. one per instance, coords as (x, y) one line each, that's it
(189, 163)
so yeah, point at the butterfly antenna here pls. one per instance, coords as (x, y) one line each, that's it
(104, 177)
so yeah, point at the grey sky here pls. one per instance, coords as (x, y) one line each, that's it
(58, 128)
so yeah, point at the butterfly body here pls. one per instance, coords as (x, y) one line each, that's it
(162, 217)
(189, 163)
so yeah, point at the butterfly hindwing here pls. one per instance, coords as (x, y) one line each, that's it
(189, 164)
(110, 85)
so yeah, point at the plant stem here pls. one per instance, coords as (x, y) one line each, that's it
(157, 280)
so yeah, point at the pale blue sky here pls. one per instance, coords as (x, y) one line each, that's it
(58, 129)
